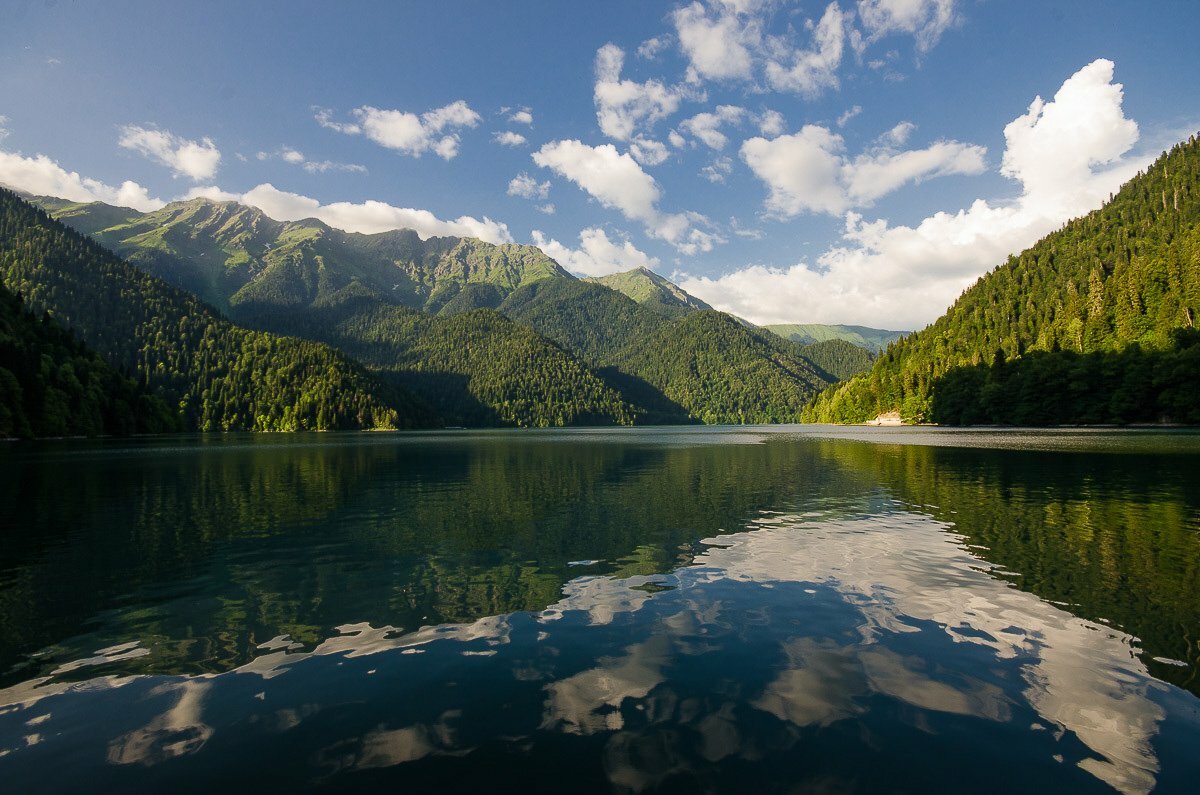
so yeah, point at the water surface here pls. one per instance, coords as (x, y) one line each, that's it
(772, 609)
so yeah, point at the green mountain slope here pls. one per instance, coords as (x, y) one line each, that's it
(721, 372)
(474, 368)
(873, 339)
(702, 366)
(243, 262)
(593, 321)
(360, 293)
(652, 291)
(51, 384)
(838, 358)
(215, 375)
(1125, 275)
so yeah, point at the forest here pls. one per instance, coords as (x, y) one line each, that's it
(1063, 311)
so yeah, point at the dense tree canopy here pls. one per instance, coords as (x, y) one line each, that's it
(213, 374)
(1126, 274)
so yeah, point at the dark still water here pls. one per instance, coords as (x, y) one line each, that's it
(750, 610)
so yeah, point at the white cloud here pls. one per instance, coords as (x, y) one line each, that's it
(367, 217)
(650, 48)
(408, 133)
(1068, 155)
(647, 151)
(810, 71)
(324, 117)
(509, 138)
(924, 20)
(197, 160)
(705, 127)
(809, 172)
(718, 47)
(527, 187)
(717, 170)
(3, 129)
(898, 135)
(597, 255)
(623, 107)
(289, 155)
(612, 178)
(771, 123)
(731, 40)
(522, 116)
(547, 208)
(619, 183)
(321, 166)
(42, 176)
(850, 113)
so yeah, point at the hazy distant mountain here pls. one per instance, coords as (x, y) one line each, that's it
(872, 339)
(652, 291)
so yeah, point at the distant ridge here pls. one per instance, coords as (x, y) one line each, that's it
(652, 291)
(872, 339)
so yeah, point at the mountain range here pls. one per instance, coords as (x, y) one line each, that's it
(443, 330)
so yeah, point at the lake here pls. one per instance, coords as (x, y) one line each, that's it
(759, 609)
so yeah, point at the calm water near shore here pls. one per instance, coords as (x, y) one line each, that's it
(684, 609)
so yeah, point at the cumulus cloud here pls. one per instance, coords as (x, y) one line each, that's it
(597, 255)
(706, 127)
(433, 131)
(808, 171)
(617, 181)
(771, 123)
(197, 160)
(1067, 154)
(367, 217)
(732, 40)
(718, 46)
(509, 138)
(648, 151)
(42, 176)
(924, 20)
(624, 107)
(521, 116)
(289, 155)
(527, 187)
(809, 71)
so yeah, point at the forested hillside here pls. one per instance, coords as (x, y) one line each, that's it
(213, 375)
(721, 372)
(1089, 315)
(473, 368)
(418, 313)
(51, 384)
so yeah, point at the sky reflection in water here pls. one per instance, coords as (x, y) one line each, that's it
(837, 638)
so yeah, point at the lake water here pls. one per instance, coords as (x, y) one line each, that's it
(754, 609)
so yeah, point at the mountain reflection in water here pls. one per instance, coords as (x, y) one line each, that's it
(631, 610)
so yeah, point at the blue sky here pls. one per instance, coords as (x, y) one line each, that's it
(858, 161)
